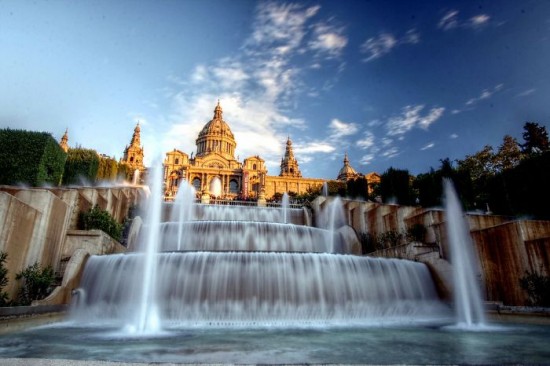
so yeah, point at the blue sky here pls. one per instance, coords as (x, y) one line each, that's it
(392, 83)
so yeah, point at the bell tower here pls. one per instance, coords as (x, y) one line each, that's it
(289, 164)
(133, 153)
(64, 143)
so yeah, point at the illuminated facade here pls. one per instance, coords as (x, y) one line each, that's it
(215, 157)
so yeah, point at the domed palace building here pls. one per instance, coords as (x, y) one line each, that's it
(214, 165)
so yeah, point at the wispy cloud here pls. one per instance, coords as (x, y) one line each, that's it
(453, 136)
(411, 117)
(427, 146)
(451, 20)
(384, 43)
(259, 84)
(367, 141)
(485, 94)
(526, 92)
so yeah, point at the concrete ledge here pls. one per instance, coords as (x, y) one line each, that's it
(31, 310)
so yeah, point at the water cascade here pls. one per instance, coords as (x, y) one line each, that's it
(467, 295)
(183, 210)
(234, 266)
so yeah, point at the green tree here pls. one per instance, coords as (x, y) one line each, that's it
(480, 165)
(37, 283)
(96, 218)
(508, 155)
(3, 279)
(394, 184)
(535, 137)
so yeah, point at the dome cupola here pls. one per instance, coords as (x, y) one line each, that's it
(216, 137)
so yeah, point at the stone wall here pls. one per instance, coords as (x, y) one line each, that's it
(36, 224)
(506, 248)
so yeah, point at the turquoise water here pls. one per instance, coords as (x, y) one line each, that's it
(525, 344)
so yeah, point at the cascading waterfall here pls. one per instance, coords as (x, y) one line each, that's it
(252, 288)
(244, 266)
(183, 210)
(467, 295)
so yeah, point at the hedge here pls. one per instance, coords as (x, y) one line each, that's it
(32, 158)
(81, 166)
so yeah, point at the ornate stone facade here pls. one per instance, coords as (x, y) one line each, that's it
(216, 158)
(133, 153)
(64, 143)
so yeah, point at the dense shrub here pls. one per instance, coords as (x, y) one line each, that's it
(537, 287)
(96, 218)
(3, 279)
(394, 185)
(82, 165)
(417, 233)
(37, 283)
(107, 169)
(33, 158)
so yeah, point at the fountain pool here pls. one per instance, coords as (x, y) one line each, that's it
(511, 344)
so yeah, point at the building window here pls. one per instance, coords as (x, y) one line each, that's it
(197, 184)
(177, 161)
(233, 186)
(254, 167)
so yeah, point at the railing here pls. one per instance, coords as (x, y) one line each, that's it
(222, 202)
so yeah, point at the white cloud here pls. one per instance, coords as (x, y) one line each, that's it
(453, 136)
(376, 47)
(485, 94)
(526, 92)
(379, 46)
(328, 40)
(340, 129)
(366, 159)
(390, 153)
(479, 20)
(450, 20)
(427, 146)
(366, 142)
(258, 86)
(411, 117)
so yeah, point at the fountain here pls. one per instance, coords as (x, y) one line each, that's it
(284, 207)
(255, 285)
(136, 177)
(216, 187)
(467, 295)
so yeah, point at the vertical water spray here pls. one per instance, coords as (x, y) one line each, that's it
(467, 294)
(135, 178)
(216, 187)
(183, 209)
(334, 218)
(284, 207)
(148, 320)
(324, 190)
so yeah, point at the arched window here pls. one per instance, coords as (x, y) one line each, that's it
(233, 186)
(197, 184)
(177, 161)
(254, 167)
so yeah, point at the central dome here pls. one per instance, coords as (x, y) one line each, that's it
(216, 137)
